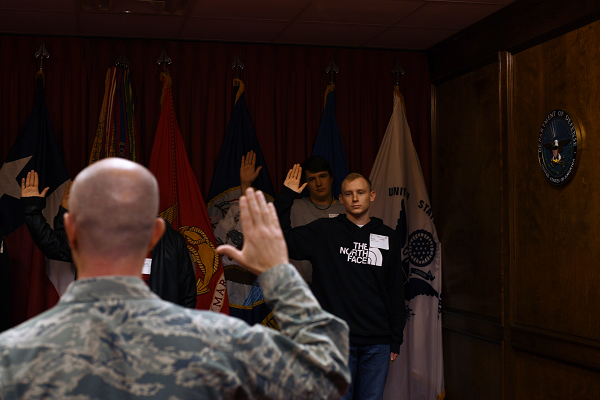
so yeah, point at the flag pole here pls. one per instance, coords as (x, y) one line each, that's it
(122, 61)
(237, 65)
(164, 59)
(41, 54)
(333, 69)
(398, 70)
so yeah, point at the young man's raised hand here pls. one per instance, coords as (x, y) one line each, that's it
(293, 178)
(248, 170)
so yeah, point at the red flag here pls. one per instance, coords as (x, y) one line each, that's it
(182, 205)
(32, 290)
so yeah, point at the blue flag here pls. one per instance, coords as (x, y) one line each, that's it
(38, 281)
(329, 143)
(246, 299)
(36, 148)
(239, 139)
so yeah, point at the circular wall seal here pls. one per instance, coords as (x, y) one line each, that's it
(558, 147)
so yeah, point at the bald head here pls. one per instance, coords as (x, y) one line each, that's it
(113, 205)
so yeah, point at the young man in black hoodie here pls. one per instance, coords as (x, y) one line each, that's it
(357, 276)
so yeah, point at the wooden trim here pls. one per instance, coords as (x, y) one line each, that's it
(474, 325)
(433, 124)
(578, 351)
(516, 27)
(506, 118)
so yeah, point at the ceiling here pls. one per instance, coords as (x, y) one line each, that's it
(388, 24)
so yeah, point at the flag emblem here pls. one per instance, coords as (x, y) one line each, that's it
(183, 204)
(421, 248)
(204, 254)
(418, 372)
(246, 299)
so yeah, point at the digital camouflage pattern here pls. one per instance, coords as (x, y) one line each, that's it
(112, 338)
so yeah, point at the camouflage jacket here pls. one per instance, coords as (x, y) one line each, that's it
(112, 338)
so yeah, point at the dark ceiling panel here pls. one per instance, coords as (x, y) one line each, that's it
(38, 22)
(355, 23)
(130, 25)
(448, 15)
(406, 38)
(379, 12)
(333, 34)
(227, 30)
(47, 5)
(250, 9)
(151, 7)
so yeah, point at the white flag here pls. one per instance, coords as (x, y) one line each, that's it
(403, 204)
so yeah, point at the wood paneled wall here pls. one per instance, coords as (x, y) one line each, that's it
(521, 292)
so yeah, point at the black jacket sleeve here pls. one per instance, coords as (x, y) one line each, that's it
(283, 204)
(172, 274)
(300, 240)
(52, 242)
(395, 293)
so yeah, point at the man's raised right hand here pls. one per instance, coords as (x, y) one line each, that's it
(264, 245)
(30, 186)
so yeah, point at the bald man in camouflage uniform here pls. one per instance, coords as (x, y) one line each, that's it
(110, 337)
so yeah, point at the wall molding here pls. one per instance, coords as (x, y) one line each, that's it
(575, 350)
(478, 326)
(516, 27)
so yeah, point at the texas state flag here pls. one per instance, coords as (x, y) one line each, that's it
(35, 149)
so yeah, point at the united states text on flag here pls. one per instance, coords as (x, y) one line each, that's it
(403, 204)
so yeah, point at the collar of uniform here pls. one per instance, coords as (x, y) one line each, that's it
(107, 287)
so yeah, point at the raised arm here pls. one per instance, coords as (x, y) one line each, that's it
(294, 178)
(312, 361)
(30, 186)
(248, 170)
(65, 200)
(300, 240)
(52, 243)
(285, 199)
(264, 246)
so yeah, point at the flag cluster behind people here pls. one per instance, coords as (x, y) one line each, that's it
(418, 373)
(182, 204)
(117, 134)
(403, 203)
(329, 142)
(35, 149)
(246, 299)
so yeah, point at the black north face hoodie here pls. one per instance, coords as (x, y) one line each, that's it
(357, 272)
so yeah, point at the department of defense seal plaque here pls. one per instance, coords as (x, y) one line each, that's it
(558, 150)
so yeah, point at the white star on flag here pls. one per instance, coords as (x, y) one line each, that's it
(8, 177)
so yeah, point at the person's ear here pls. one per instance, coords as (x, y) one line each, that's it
(157, 232)
(373, 194)
(71, 231)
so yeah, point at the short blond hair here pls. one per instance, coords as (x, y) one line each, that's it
(354, 176)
